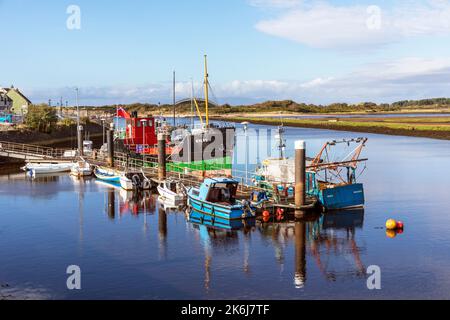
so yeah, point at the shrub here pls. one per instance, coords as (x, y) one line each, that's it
(41, 118)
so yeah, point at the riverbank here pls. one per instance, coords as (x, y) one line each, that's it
(427, 127)
(62, 136)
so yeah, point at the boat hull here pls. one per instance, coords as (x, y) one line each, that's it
(126, 184)
(49, 168)
(170, 196)
(107, 175)
(220, 213)
(343, 197)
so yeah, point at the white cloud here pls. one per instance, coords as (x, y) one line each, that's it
(322, 25)
(387, 81)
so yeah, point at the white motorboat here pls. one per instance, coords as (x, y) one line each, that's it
(134, 181)
(172, 191)
(48, 168)
(81, 169)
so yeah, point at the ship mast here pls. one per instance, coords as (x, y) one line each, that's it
(206, 91)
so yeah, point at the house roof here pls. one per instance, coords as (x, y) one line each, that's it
(19, 93)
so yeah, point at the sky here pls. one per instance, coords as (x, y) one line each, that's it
(304, 50)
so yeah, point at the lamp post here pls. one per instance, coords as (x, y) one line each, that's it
(79, 128)
(143, 122)
(103, 129)
(245, 124)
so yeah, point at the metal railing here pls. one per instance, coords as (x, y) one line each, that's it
(32, 150)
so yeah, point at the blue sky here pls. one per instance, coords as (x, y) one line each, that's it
(312, 51)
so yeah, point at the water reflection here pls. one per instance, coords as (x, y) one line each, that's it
(328, 241)
(325, 246)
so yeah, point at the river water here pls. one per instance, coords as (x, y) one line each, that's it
(128, 247)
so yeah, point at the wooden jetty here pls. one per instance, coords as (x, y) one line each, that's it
(156, 169)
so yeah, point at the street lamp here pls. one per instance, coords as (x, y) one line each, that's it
(103, 128)
(143, 122)
(245, 124)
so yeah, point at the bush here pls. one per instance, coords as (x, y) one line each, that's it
(85, 120)
(67, 122)
(41, 118)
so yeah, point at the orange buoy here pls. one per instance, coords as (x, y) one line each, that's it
(266, 214)
(391, 234)
(391, 224)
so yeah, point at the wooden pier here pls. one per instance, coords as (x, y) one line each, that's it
(150, 166)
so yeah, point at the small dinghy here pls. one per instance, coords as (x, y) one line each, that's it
(172, 191)
(81, 169)
(107, 175)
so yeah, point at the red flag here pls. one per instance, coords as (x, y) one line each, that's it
(121, 113)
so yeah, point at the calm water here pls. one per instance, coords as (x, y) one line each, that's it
(128, 247)
(374, 115)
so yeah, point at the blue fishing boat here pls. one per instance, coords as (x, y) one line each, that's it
(107, 175)
(215, 201)
(335, 196)
(333, 183)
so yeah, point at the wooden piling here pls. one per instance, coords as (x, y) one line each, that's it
(110, 142)
(162, 157)
(300, 177)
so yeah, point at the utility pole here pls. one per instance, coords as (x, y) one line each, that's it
(79, 128)
(174, 99)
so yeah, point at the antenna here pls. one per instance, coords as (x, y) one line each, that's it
(174, 99)
(206, 91)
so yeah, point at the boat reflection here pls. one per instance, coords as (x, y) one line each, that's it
(128, 202)
(328, 240)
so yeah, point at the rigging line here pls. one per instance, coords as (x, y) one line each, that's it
(351, 153)
(215, 101)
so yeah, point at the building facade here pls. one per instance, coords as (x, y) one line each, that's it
(5, 101)
(20, 102)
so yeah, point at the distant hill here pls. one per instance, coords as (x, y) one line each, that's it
(283, 106)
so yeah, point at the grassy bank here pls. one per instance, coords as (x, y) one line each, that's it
(61, 136)
(429, 127)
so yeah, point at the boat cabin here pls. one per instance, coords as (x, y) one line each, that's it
(141, 132)
(219, 190)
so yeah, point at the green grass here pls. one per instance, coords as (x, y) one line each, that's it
(402, 126)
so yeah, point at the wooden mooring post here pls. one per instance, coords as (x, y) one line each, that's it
(110, 142)
(162, 172)
(300, 178)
